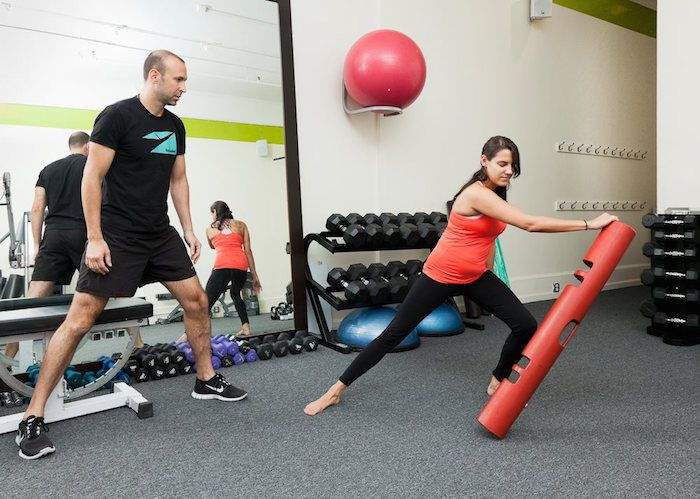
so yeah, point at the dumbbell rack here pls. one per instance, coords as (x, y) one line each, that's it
(315, 290)
(673, 277)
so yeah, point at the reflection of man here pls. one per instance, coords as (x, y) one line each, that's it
(137, 149)
(59, 252)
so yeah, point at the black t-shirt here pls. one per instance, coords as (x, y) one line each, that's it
(61, 181)
(135, 190)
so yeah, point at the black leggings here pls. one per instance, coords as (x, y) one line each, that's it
(425, 295)
(219, 279)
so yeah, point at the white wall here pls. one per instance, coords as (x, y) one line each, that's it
(678, 128)
(70, 75)
(338, 155)
(490, 71)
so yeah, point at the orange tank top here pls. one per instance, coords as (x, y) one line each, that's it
(229, 251)
(461, 253)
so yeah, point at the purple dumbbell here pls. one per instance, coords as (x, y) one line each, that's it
(215, 362)
(218, 349)
(189, 355)
(238, 359)
(231, 348)
(251, 356)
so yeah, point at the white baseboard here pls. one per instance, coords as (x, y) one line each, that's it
(541, 287)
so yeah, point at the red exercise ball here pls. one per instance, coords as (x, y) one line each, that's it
(384, 68)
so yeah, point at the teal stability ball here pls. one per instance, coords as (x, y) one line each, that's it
(443, 321)
(360, 327)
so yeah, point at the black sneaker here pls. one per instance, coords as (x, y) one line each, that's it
(32, 439)
(217, 388)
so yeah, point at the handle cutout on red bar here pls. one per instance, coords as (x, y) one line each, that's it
(513, 376)
(567, 333)
(524, 361)
(589, 263)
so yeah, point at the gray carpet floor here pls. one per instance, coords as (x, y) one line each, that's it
(616, 416)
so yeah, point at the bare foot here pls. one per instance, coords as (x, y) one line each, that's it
(318, 406)
(138, 341)
(244, 332)
(493, 386)
(331, 397)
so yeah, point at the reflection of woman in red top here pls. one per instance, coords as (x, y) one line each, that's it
(231, 240)
(458, 264)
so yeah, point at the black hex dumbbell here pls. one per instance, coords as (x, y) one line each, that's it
(355, 291)
(428, 234)
(390, 228)
(353, 234)
(295, 346)
(689, 295)
(407, 229)
(434, 218)
(310, 343)
(651, 220)
(688, 236)
(141, 375)
(184, 368)
(377, 290)
(656, 250)
(649, 276)
(176, 356)
(264, 351)
(409, 270)
(373, 231)
(156, 373)
(398, 286)
(280, 348)
(162, 358)
(145, 359)
(131, 365)
(648, 309)
(441, 226)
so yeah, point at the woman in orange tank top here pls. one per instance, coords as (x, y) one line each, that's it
(234, 256)
(458, 264)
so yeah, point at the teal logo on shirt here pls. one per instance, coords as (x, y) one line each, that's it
(168, 144)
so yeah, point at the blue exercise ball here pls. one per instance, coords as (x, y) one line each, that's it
(360, 327)
(443, 321)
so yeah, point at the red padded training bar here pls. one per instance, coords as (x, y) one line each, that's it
(504, 406)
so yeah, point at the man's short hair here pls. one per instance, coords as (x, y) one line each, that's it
(78, 139)
(156, 60)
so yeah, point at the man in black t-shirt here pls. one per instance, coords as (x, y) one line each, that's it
(137, 151)
(59, 251)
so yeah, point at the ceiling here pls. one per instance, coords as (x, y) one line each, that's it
(233, 42)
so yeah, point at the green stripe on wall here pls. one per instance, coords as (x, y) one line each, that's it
(624, 13)
(83, 119)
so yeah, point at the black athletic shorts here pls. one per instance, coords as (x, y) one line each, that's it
(60, 254)
(137, 261)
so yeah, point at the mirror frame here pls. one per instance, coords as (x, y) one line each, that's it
(291, 145)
